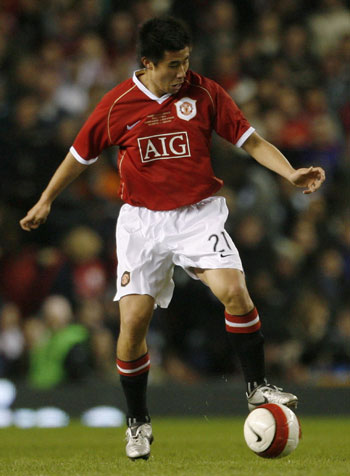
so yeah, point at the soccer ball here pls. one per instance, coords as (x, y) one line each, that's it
(272, 430)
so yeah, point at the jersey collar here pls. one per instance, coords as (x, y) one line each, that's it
(146, 91)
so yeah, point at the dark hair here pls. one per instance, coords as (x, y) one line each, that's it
(161, 34)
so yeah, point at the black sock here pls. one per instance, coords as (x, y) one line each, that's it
(134, 377)
(250, 351)
(135, 391)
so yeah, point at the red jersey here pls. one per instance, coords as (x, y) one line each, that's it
(164, 142)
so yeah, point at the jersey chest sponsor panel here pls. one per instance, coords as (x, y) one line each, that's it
(166, 169)
(164, 158)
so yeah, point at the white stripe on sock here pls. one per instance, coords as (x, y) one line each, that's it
(131, 371)
(246, 324)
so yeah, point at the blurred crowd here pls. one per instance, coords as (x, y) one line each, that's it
(287, 65)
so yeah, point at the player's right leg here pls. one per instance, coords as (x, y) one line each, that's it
(144, 278)
(133, 365)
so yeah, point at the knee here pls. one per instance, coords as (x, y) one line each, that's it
(134, 324)
(135, 316)
(235, 298)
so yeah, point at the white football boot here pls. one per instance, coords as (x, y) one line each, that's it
(138, 441)
(267, 393)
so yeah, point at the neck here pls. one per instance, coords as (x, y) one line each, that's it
(145, 80)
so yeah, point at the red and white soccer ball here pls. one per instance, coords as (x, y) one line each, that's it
(272, 430)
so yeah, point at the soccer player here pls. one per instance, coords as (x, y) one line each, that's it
(162, 119)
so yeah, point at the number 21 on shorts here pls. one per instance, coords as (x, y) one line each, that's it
(220, 244)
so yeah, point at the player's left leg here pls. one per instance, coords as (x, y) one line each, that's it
(133, 365)
(243, 328)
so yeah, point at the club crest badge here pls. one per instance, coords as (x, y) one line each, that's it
(186, 108)
(125, 280)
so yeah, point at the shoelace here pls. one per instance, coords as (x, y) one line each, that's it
(266, 387)
(273, 387)
(137, 436)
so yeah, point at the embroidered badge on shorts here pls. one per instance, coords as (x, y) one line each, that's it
(125, 278)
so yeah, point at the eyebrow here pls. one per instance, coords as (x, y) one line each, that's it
(179, 61)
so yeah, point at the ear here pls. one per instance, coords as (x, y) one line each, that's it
(148, 64)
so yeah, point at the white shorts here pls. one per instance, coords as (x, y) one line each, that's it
(150, 243)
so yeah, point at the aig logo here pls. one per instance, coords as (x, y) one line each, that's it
(165, 146)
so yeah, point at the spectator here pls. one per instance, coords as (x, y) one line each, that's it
(340, 339)
(59, 349)
(11, 340)
(83, 273)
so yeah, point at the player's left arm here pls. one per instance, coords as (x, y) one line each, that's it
(269, 156)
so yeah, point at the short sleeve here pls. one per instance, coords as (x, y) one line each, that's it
(230, 122)
(92, 138)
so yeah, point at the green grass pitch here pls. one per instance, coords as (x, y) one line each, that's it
(182, 446)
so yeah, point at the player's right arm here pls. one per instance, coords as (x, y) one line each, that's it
(68, 171)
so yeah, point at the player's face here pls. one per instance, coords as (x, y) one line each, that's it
(168, 75)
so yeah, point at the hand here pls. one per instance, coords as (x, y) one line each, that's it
(36, 216)
(311, 178)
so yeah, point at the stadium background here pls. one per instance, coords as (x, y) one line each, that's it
(287, 65)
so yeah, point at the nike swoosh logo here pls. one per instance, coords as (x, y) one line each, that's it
(258, 437)
(132, 125)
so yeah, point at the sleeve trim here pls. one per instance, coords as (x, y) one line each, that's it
(245, 136)
(80, 159)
